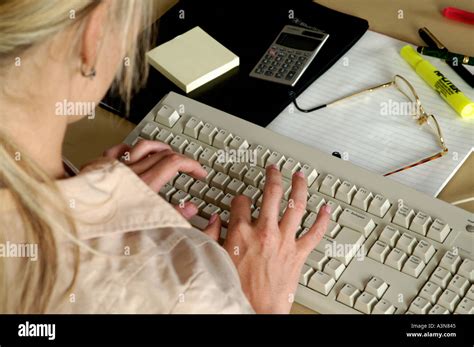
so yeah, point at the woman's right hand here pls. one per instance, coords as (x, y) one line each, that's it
(266, 252)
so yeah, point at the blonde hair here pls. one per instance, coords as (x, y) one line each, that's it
(23, 25)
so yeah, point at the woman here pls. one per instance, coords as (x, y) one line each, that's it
(106, 242)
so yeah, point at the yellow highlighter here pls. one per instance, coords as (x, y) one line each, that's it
(446, 89)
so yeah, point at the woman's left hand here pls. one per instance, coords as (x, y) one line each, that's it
(156, 164)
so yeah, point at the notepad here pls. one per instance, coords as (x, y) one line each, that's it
(192, 59)
(367, 136)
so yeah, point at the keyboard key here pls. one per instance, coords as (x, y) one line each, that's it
(413, 266)
(470, 292)
(167, 115)
(290, 167)
(164, 136)
(365, 303)
(420, 223)
(441, 277)
(334, 268)
(321, 282)
(389, 235)
(379, 251)
(192, 127)
(379, 205)
(167, 191)
(220, 181)
(350, 241)
(207, 133)
(449, 299)
(377, 287)
(346, 192)
(326, 246)
(238, 143)
(438, 309)
(252, 192)
(253, 176)
(314, 203)
(403, 216)
(336, 209)
(179, 143)
(275, 158)
(149, 131)
(439, 230)
(357, 221)
(396, 259)
(213, 196)
(222, 139)
(209, 210)
(362, 199)
(225, 218)
(179, 197)
(238, 170)
(183, 182)
(208, 157)
(406, 243)
(466, 306)
(333, 229)
(306, 273)
(198, 203)
(383, 307)
(309, 220)
(467, 270)
(210, 173)
(317, 260)
(431, 292)
(420, 306)
(424, 250)
(226, 201)
(450, 262)
(193, 150)
(348, 295)
(459, 285)
(329, 185)
(261, 154)
(235, 187)
(310, 173)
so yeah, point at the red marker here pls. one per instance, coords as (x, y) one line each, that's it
(459, 15)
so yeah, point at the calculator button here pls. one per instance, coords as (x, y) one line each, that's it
(268, 73)
(288, 61)
(279, 75)
(259, 71)
(290, 75)
(265, 61)
(292, 56)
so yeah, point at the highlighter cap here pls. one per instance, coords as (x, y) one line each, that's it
(411, 56)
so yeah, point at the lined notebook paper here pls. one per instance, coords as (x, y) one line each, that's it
(367, 130)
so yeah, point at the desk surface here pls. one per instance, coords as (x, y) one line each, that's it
(87, 139)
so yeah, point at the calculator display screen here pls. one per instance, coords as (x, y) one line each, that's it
(297, 42)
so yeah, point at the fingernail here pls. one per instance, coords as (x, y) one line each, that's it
(273, 167)
(327, 208)
(299, 174)
(212, 219)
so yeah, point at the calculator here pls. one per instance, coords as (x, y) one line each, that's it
(290, 55)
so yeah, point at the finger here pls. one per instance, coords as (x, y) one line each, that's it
(311, 239)
(145, 164)
(240, 211)
(272, 194)
(116, 151)
(144, 148)
(296, 207)
(166, 169)
(213, 229)
(187, 210)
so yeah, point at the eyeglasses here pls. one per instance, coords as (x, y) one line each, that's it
(420, 115)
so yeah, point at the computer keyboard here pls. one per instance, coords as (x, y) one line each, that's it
(388, 249)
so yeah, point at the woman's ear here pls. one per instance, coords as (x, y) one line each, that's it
(92, 36)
